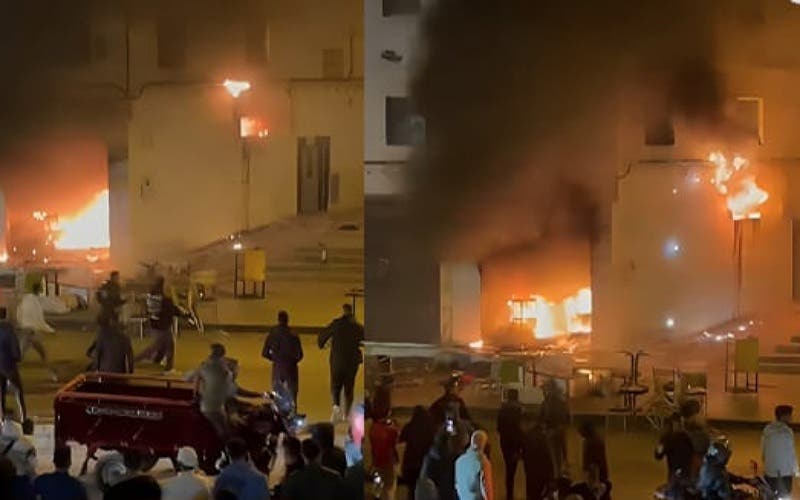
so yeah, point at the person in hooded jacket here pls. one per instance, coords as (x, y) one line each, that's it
(418, 436)
(284, 349)
(778, 451)
(438, 475)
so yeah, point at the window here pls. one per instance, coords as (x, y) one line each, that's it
(171, 41)
(403, 127)
(333, 63)
(400, 7)
(749, 117)
(256, 41)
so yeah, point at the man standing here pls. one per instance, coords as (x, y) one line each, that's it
(213, 383)
(161, 312)
(509, 427)
(473, 471)
(283, 348)
(31, 323)
(109, 295)
(777, 449)
(59, 485)
(10, 356)
(314, 480)
(188, 483)
(347, 336)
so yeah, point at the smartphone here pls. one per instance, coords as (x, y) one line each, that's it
(450, 425)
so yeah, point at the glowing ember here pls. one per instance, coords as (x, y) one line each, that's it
(252, 127)
(86, 229)
(738, 185)
(549, 319)
(478, 344)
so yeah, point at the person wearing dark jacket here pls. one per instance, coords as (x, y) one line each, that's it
(113, 352)
(283, 348)
(509, 427)
(331, 456)
(556, 417)
(161, 312)
(346, 337)
(109, 295)
(537, 459)
(439, 468)
(417, 435)
(594, 451)
(676, 446)
(10, 357)
(450, 400)
(314, 480)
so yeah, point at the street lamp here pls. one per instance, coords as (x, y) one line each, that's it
(236, 88)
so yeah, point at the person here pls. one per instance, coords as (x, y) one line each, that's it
(113, 351)
(140, 487)
(592, 488)
(474, 471)
(536, 459)
(31, 324)
(594, 450)
(314, 480)
(700, 436)
(331, 456)
(10, 356)
(17, 445)
(346, 337)
(109, 295)
(447, 402)
(356, 474)
(161, 312)
(417, 435)
(282, 346)
(290, 455)
(59, 485)
(676, 446)
(189, 483)
(714, 482)
(13, 485)
(438, 475)
(555, 417)
(213, 383)
(509, 427)
(778, 451)
(240, 477)
(383, 436)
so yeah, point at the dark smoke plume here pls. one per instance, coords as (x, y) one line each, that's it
(520, 99)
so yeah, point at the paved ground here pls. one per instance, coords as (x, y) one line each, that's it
(67, 350)
(634, 472)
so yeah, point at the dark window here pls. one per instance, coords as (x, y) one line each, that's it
(400, 7)
(658, 130)
(256, 40)
(403, 127)
(171, 34)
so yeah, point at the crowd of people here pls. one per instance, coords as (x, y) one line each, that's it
(311, 468)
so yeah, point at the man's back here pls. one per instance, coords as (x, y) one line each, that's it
(186, 486)
(241, 479)
(509, 424)
(282, 346)
(314, 481)
(59, 485)
(216, 385)
(468, 475)
(346, 336)
(777, 445)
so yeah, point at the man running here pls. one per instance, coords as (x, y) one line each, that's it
(347, 336)
(213, 382)
(283, 348)
(161, 312)
(31, 324)
(10, 357)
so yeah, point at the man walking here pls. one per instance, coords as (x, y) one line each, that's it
(161, 312)
(113, 352)
(346, 336)
(31, 324)
(473, 470)
(283, 348)
(10, 356)
(509, 427)
(777, 449)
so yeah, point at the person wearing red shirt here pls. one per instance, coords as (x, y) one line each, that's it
(383, 437)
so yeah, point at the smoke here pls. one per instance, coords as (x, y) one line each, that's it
(522, 104)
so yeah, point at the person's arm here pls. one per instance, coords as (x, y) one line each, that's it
(325, 335)
(266, 352)
(487, 487)
(299, 349)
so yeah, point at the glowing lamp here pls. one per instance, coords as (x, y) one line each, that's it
(672, 248)
(236, 87)
(670, 323)
(237, 246)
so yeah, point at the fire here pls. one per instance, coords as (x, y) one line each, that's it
(734, 181)
(86, 229)
(549, 319)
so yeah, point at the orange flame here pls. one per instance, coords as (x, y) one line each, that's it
(549, 319)
(733, 180)
(86, 229)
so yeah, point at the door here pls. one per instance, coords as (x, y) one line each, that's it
(313, 172)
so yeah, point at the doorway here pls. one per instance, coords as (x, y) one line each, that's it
(313, 174)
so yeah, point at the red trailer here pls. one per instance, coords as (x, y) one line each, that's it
(154, 416)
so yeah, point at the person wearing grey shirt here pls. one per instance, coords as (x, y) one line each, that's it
(212, 383)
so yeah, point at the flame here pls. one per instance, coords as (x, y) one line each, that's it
(549, 319)
(732, 180)
(86, 229)
(477, 345)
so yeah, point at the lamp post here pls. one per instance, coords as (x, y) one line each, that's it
(236, 88)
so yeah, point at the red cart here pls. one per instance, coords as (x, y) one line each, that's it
(154, 416)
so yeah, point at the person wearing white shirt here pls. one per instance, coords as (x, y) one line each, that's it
(189, 483)
(778, 451)
(31, 323)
